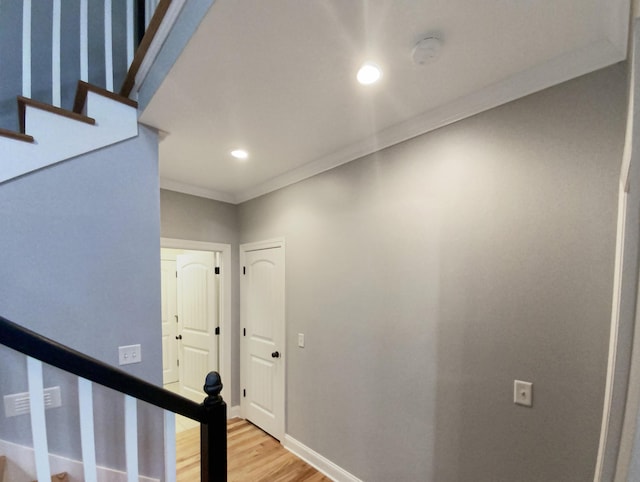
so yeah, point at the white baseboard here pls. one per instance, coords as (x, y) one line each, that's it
(234, 412)
(21, 466)
(316, 460)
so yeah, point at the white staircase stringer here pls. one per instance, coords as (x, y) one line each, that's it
(57, 138)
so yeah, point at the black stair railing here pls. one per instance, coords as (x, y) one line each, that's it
(211, 414)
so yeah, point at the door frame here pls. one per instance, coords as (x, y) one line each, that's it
(224, 345)
(256, 246)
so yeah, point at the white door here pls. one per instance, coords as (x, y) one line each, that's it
(198, 316)
(169, 322)
(263, 325)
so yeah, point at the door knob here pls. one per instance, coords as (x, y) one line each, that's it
(179, 337)
(275, 354)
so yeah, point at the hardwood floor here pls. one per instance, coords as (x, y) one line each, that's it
(253, 456)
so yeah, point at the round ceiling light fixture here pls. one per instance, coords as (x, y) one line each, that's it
(369, 73)
(240, 154)
(426, 50)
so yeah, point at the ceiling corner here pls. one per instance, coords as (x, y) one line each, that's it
(171, 185)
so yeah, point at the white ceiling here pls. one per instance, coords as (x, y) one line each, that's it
(278, 79)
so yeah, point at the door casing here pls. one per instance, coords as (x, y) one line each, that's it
(224, 345)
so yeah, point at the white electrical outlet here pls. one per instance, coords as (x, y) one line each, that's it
(129, 354)
(301, 340)
(523, 393)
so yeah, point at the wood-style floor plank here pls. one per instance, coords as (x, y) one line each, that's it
(252, 456)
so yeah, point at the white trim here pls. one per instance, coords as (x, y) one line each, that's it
(613, 335)
(26, 48)
(130, 32)
(131, 437)
(266, 244)
(234, 412)
(170, 472)
(108, 45)
(20, 466)
(608, 456)
(313, 458)
(149, 8)
(161, 35)
(87, 433)
(225, 302)
(631, 409)
(56, 19)
(628, 138)
(84, 41)
(170, 185)
(38, 423)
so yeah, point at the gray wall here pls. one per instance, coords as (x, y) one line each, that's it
(79, 260)
(429, 276)
(198, 219)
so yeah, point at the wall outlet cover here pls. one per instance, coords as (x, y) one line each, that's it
(523, 393)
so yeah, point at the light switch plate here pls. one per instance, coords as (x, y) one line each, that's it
(301, 340)
(523, 393)
(129, 354)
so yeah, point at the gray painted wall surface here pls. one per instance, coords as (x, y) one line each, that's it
(199, 219)
(79, 260)
(429, 276)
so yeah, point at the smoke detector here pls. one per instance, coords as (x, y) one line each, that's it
(426, 50)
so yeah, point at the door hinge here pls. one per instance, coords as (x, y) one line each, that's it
(217, 270)
(176, 318)
(244, 270)
(217, 330)
(176, 274)
(178, 362)
(244, 332)
(244, 392)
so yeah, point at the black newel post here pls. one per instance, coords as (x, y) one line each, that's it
(213, 433)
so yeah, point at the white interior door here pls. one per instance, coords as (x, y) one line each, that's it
(263, 324)
(169, 321)
(198, 316)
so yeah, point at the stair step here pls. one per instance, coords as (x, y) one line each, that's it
(23, 102)
(84, 88)
(62, 477)
(50, 134)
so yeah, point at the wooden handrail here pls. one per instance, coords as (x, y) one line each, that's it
(145, 43)
(53, 353)
(212, 413)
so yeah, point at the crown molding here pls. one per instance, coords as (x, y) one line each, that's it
(555, 71)
(171, 185)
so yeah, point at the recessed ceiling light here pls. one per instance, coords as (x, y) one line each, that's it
(369, 73)
(240, 154)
